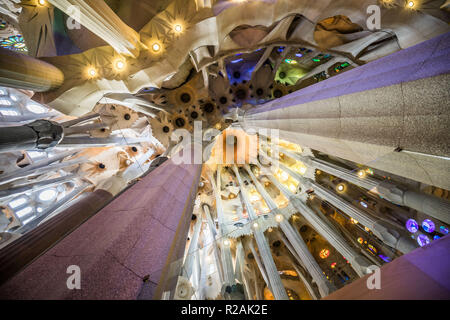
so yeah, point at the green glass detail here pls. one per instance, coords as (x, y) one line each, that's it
(289, 73)
(15, 43)
(341, 67)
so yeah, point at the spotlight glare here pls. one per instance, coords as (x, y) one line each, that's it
(120, 65)
(361, 173)
(92, 72)
(178, 28)
(279, 217)
(156, 47)
(340, 187)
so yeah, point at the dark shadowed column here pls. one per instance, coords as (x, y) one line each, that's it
(126, 249)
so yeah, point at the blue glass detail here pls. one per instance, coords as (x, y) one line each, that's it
(428, 226)
(412, 225)
(423, 240)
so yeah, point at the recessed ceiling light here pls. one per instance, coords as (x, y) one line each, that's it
(92, 72)
(120, 65)
(156, 47)
(178, 28)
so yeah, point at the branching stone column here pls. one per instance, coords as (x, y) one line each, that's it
(382, 230)
(227, 262)
(260, 265)
(40, 134)
(359, 263)
(434, 206)
(240, 268)
(388, 114)
(325, 287)
(278, 289)
(100, 19)
(303, 279)
(212, 231)
(193, 248)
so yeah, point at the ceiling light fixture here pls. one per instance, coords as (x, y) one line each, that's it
(92, 72)
(361, 173)
(156, 47)
(119, 65)
(178, 28)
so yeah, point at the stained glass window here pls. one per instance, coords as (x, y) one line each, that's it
(324, 253)
(341, 67)
(16, 43)
(428, 225)
(423, 240)
(412, 225)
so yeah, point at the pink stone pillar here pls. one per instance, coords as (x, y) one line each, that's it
(136, 237)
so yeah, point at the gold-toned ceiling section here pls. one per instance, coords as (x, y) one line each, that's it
(137, 13)
(331, 32)
(36, 23)
(234, 146)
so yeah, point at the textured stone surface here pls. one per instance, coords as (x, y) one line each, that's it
(365, 114)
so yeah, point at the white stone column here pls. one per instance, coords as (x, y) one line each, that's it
(260, 265)
(278, 289)
(36, 186)
(224, 242)
(305, 282)
(299, 245)
(381, 229)
(193, 248)
(431, 205)
(359, 263)
(240, 268)
(212, 231)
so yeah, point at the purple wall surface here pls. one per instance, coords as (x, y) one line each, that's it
(427, 59)
(132, 239)
(423, 274)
